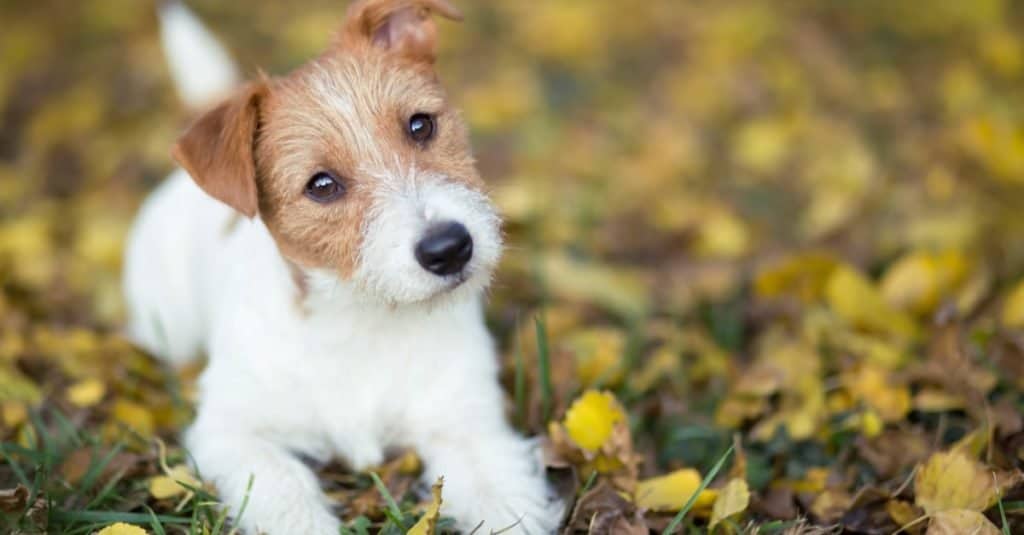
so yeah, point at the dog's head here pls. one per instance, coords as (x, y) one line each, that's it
(356, 162)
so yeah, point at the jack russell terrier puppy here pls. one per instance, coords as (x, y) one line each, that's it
(327, 244)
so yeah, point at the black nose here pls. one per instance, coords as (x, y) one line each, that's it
(445, 249)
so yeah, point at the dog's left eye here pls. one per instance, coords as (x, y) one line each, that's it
(323, 187)
(421, 127)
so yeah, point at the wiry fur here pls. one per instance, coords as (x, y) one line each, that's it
(325, 336)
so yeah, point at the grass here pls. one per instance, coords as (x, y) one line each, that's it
(544, 365)
(708, 478)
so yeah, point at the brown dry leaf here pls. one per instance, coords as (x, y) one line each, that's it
(14, 500)
(732, 499)
(603, 508)
(961, 522)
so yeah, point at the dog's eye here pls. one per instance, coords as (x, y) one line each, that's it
(421, 127)
(323, 187)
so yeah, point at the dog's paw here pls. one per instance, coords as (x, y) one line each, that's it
(517, 504)
(293, 517)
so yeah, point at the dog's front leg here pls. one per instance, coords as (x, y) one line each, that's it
(285, 497)
(491, 476)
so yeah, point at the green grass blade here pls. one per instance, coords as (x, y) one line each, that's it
(109, 517)
(95, 471)
(393, 511)
(154, 522)
(544, 363)
(1002, 516)
(519, 387)
(693, 499)
(18, 472)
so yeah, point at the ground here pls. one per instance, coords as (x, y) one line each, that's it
(770, 249)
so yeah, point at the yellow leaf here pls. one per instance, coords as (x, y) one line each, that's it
(919, 281)
(133, 415)
(952, 480)
(427, 523)
(961, 521)
(598, 354)
(722, 235)
(120, 528)
(664, 362)
(935, 400)
(670, 492)
(1013, 307)
(870, 424)
(168, 486)
(732, 499)
(831, 505)
(855, 299)
(14, 413)
(621, 290)
(872, 386)
(901, 512)
(803, 276)
(590, 419)
(86, 393)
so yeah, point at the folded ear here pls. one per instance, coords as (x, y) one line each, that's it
(217, 150)
(404, 27)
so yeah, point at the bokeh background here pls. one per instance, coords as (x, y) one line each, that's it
(794, 226)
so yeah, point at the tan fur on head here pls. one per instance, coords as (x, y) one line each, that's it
(345, 113)
(403, 27)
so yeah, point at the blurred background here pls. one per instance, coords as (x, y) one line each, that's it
(796, 223)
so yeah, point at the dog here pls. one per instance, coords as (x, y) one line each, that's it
(328, 243)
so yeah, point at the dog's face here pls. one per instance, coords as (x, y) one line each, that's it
(356, 162)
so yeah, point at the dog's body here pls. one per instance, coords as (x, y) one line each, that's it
(331, 330)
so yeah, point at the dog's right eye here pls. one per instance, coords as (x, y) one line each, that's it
(323, 187)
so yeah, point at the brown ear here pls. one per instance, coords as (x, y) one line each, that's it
(217, 150)
(404, 27)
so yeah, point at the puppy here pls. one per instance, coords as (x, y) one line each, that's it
(327, 244)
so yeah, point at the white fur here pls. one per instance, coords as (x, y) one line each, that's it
(341, 375)
(202, 69)
(394, 357)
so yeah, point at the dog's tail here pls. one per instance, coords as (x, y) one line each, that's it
(200, 66)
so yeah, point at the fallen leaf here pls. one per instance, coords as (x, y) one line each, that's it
(134, 415)
(120, 528)
(831, 505)
(86, 393)
(590, 419)
(961, 522)
(732, 499)
(427, 524)
(903, 513)
(172, 483)
(14, 500)
(952, 480)
(854, 298)
(1013, 307)
(670, 492)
